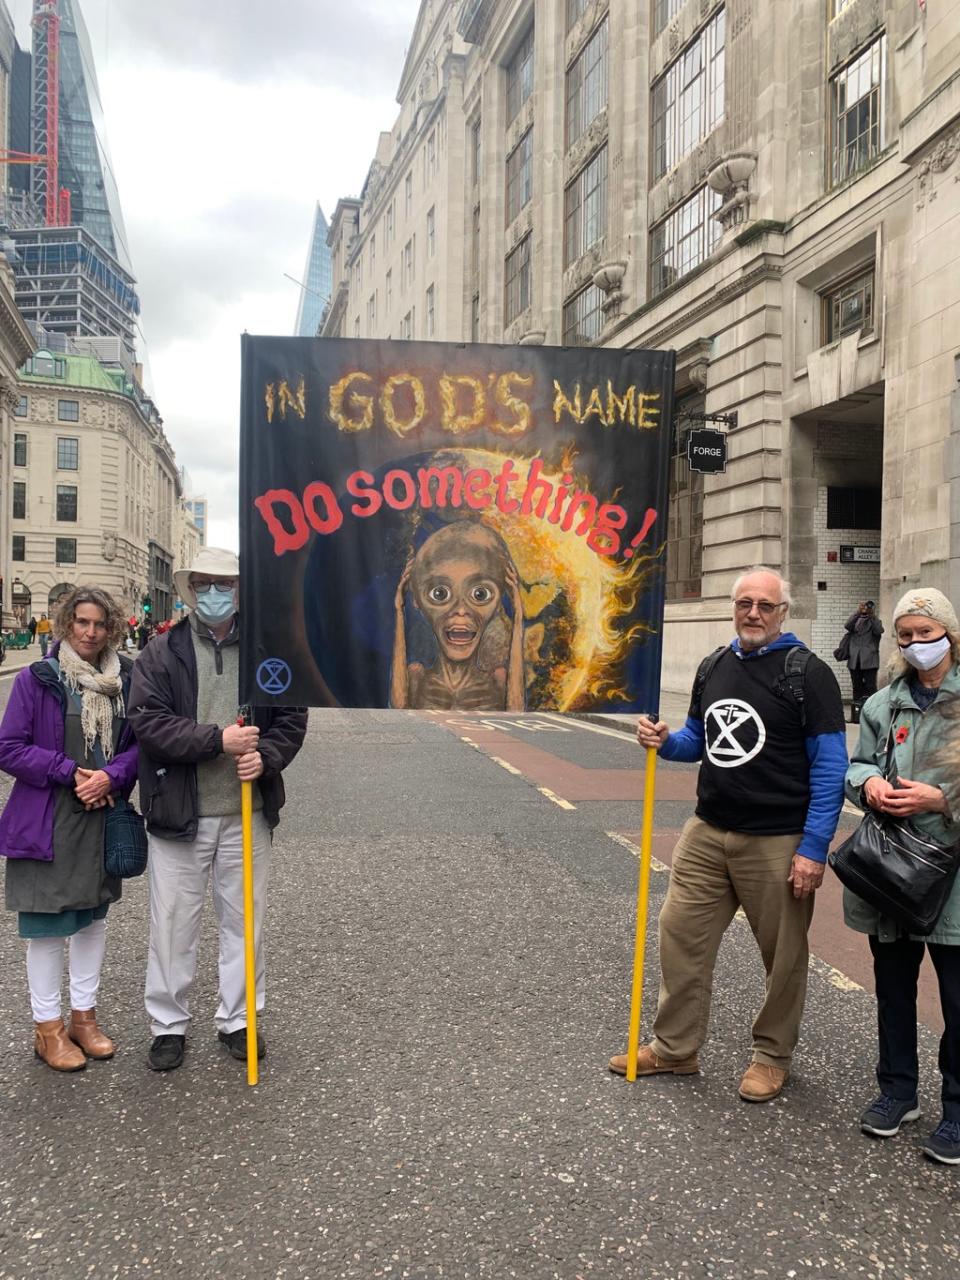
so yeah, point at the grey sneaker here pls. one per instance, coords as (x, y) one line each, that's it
(884, 1117)
(944, 1143)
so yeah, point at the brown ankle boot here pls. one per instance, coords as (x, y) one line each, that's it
(84, 1031)
(52, 1044)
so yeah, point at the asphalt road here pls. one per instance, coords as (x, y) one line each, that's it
(449, 959)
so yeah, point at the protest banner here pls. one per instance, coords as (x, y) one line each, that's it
(439, 526)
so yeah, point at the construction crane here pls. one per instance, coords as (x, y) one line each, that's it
(46, 112)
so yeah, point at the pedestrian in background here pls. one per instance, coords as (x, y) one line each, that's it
(32, 628)
(194, 756)
(915, 717)
(43, 631)
(766, 722)
(64, 711)
(864, 629)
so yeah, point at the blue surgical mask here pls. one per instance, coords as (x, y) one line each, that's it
(926, 654)
(215, 605)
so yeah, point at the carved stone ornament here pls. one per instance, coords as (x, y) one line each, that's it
(9, 395)
(609, 279)
(533, 338)
(730, 177)
(108, 547)
(697, 374)
(938, 161)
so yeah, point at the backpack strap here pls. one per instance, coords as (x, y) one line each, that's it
(704, 672)
(793, 677)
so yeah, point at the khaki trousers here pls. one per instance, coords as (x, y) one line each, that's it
(713, 873)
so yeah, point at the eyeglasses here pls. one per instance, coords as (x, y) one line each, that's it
(762, 606)
(204, 584)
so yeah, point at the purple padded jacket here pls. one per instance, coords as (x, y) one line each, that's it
(31, 751)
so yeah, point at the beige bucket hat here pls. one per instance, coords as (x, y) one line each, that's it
(211, 562)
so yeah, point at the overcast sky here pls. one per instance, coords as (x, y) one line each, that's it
(227, 120)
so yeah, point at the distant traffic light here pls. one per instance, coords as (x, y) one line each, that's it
(147, 604)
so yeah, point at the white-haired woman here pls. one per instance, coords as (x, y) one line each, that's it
(905, 765)
(66, 713)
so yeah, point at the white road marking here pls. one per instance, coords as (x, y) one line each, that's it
(626, 843)
(591, 728)
(557, 800)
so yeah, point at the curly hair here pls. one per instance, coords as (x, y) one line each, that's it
(66, 608)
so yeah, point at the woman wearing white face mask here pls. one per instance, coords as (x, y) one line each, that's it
(915, 719)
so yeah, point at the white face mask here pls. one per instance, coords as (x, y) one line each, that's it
(926, 654)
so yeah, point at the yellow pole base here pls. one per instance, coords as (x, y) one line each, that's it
(643, 898)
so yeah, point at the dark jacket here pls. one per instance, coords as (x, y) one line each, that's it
(865, 631)
(31, 751)
(163, 712)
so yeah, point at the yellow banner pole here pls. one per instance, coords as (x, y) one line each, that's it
(643, 898)
(246, 814)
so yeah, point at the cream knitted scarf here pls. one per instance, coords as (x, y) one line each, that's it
(101, 693)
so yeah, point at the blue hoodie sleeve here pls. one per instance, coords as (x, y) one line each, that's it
(686, 744)
(827, 753)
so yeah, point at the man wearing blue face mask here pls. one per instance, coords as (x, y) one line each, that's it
(193, 757)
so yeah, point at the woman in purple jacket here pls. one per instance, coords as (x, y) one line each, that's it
(67, 713)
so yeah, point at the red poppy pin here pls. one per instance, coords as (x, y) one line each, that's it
(902, 734)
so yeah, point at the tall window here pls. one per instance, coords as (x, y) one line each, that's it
(68, 453)
(520, 76)
(66, 502)
(519, 176)
(431, 318)
(583, 317)
(685, 238)
(475, 318)
(373, 254)
(688, 99)
(388, 289)
(371, 313)
(663, 11)
(856, 96)
(19, 500)
(19, 449)
(408, 195)
(475, 136)
(388, 232)
(685, 519)
(68, 410)
(585, 208)
(409, 257)
(66, 551)
(407, 324)
(517, 281)
(19, 547)
(23, 406)
(587, 85)
(848, 306)
(430, 158)
(431, 232)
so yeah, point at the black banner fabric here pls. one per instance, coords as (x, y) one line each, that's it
(438, 526)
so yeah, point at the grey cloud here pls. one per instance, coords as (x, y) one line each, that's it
(248, 40)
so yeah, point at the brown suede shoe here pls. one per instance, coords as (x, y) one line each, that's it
(52, 1044)
(648, 1064)
(83, 1030)
(760, 1082)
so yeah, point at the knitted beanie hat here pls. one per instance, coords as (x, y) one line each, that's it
(928, 602)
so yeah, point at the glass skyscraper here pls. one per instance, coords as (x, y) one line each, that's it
(318, 279)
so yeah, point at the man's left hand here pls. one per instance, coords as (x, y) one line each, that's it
(249, 766)
(806, 876)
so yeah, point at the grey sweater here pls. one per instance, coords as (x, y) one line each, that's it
(218, 692)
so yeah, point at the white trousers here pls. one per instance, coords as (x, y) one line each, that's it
(179, 871)
(45, 970)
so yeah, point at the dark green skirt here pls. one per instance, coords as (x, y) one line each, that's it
(58, 924)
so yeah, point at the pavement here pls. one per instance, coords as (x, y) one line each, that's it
(449, 954)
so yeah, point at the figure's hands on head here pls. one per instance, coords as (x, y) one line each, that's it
(249, 766)
(513, 586)
(650, 734)
(402, 585)
(239, 739)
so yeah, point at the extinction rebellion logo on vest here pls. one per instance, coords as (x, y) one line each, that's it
(733, 732)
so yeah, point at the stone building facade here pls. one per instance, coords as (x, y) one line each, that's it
(770, 189)
(96, 492)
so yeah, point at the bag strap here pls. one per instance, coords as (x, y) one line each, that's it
(704, 672)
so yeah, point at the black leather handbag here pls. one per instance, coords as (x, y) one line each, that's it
(905, 873)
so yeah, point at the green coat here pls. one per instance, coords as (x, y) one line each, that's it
(928, 733)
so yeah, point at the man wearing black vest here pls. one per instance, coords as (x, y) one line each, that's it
(766, 721)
